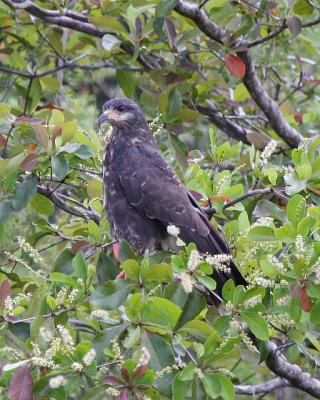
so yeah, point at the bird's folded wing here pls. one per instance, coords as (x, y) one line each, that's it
(153, 188)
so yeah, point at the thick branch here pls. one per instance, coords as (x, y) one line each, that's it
(61, 203)
(292, 373)
(69, 20)
(250, 80)
(231, 129)
(265, 387)
(78, 23)
(267, 104)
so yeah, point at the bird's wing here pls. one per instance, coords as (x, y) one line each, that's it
(153, 188)
(155, 191)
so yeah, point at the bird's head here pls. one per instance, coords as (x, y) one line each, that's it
(121, 112)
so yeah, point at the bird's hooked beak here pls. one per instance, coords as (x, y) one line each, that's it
(103, 117)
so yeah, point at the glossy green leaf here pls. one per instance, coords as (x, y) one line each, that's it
(24, 192)
(112, 294)
(262, 233)
(257, 324)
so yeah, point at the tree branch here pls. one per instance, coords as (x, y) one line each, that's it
(261, 387)
(267, 104)
(68, 65)
(78, 23)
(292, 373)
(61, 203)
(231, 129)
(250, 80)
(249, 193)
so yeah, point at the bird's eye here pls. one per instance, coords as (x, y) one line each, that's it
(120, 109)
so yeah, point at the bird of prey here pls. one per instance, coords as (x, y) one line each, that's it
(143, 195)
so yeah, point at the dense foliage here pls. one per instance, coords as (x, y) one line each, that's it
(69, 328)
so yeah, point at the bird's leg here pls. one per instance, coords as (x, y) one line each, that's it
(122, 275)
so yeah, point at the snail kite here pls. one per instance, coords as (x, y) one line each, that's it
(143, 195)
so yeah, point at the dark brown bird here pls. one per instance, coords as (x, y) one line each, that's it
(143, 195)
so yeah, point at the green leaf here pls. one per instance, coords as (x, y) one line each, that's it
(106, 269)
(228, 290)
(59, 166)
(49, 82)
(295, 309)
(221, 324)
(296, 209)
(63, 262)
(188, 373)
(211, 385)
(57, 118)
(42, 204)
(302, 7)
(24, 192)
(257, 325)
(207, 282)
(193, 305)
(128, 82)
(262, 234)
(175, 102)
(69, 129)
(264, 208)
(132, 338)
(286, 233)
(62, 278)
(227, 388)
(110, 42)
(81, 150)
(160, 273)
(164, 7)
(103, 340)
(112, 24)
(34, 95)
(5, 209)
(131, 268)
(79, 266)
(315, 313)
(160, 357)
(4, 109)
(167, 313)
(304, 226)
(240, 92)
(199, 329)
(112, 294)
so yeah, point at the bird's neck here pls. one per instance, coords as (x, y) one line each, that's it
(135, 131)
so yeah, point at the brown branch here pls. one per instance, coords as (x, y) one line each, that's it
(249, 193)
(68, 20)
(68, 65)
(61, 203)
(278, 31)
(250, 80)
(267, 104)
(78, 23)
(291, 372)
(265, 387)
(252, 192)
(231, 129)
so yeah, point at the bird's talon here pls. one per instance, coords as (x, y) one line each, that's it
(122, 275)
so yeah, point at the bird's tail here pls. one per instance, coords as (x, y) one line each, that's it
(213, 244)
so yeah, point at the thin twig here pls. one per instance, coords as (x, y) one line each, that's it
(27, 97)
(7, 139)
(68, 65)
(61, 203)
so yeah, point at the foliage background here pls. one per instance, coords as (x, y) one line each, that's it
(59, 62)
